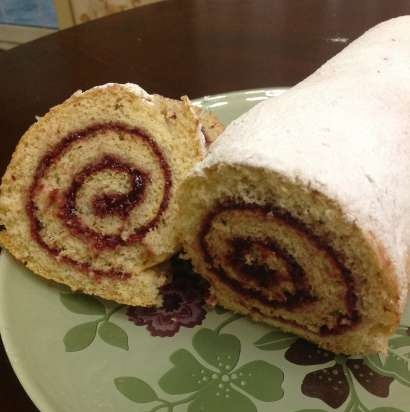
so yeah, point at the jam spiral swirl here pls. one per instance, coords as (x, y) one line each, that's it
(265, 256)
(72, 204)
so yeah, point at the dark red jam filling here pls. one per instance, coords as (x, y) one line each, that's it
(106, 204)
(266, 277)
(263, 276)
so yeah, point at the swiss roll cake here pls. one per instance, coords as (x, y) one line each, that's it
(88, 198)
(299, 216)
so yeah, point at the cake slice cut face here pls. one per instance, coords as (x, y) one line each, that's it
(88, 198)
(281, 253)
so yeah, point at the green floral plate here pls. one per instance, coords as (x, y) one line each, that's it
(76, 353)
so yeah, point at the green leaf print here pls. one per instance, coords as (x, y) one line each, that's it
(135, 389)
(82, 304)
(356, 406)
(399, 342)
(220, 397)
(80, 336)
(394, 365)
(62, 288)
(275, 340)
(113, 335)
(187, 375)
(259, 379)
(374, 360)
(219, 310)
(403, 330)
(398, 367)
(219, 350)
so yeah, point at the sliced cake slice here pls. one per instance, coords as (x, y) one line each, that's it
(88, 199)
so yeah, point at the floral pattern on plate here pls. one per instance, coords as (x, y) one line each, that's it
(207, 377)
(183, 304)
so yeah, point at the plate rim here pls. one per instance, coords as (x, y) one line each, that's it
(36, 396)
(275, 90)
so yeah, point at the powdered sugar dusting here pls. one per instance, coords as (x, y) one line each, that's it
(345, 131)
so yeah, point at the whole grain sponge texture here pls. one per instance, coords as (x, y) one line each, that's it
(332, 153)
(103, 170)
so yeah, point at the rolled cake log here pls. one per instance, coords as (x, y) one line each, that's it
(88, 198)
(300, 214)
